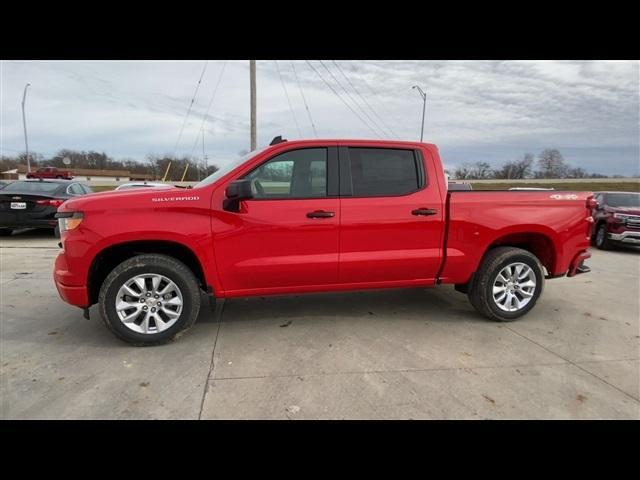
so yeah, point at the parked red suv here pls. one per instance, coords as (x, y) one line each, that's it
(616, 219)
(313, 216)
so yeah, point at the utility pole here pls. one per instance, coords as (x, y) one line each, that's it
(424, 106)
(24, 124)
(252, 81)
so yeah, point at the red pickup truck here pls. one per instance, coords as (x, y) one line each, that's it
(312, 216)
(50, 172)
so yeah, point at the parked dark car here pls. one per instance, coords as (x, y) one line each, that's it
(616, 219)
(34, 203)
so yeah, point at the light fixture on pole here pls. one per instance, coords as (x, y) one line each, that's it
(424, 106)
(24, 124)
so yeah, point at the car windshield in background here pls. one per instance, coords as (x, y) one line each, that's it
(227, 168)
(36, 187)
(623, 199)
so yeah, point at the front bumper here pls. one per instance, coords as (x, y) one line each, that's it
(632, 238)
(77, 295)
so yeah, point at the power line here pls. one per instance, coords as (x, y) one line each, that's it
(341, 99)
(353, 100)
(404, 125)
(213, 96)
(288, 101)
(365, 101)
(304, 99)
(184, 122)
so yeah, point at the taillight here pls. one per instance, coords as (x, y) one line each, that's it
(50, 203)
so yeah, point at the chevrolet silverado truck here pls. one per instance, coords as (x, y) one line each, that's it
(313, 216)
(616, 219)
(51, 172)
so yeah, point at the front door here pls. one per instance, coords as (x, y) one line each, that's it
(285, 239)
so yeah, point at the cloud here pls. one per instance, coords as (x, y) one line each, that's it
(489, 110)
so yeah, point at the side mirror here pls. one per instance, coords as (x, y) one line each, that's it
(236, 192)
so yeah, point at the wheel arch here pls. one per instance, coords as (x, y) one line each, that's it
(539, 244)
(108, 258)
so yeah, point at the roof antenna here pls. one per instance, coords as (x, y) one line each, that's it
(277, 140)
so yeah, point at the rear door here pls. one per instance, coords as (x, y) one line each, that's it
(286, 238)
(391, 216)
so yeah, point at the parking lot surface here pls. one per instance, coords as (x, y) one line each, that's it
(392, 354)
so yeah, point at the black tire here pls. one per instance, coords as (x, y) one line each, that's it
(601, 239)
(164, 265)
(5, 232)
(481, 288)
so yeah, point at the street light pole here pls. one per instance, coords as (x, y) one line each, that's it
(24, 124)
(424, 107)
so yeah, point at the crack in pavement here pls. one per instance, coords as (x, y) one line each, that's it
(402, 370)
(212, 364)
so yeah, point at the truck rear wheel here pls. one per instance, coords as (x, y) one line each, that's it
(149, 299)
(507, 284)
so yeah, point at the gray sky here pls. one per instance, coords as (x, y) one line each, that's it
(489, 111)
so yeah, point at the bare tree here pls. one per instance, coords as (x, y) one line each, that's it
(551, 164)
(462, 172)
(516, 168)
(576, 172)
(481, 170)
(473, 171)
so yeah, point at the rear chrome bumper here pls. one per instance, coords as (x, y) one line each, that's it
(626, 237)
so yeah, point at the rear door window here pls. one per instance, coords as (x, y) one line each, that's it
(383, 172)
(75, 189)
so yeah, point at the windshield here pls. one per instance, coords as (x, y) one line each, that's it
(24, 187)
(623, 199)
(227, 168)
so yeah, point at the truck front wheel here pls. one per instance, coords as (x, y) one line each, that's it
(149, 299)
(507, 284)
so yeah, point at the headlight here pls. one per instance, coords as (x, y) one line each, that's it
(69, 221)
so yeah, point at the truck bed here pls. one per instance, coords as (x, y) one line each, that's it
(558, 223)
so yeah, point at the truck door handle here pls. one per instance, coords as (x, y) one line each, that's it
(423, 211)
(320, 214)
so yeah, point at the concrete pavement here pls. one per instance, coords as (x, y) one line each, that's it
(409, 353)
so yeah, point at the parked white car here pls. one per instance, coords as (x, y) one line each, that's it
(130, 185)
